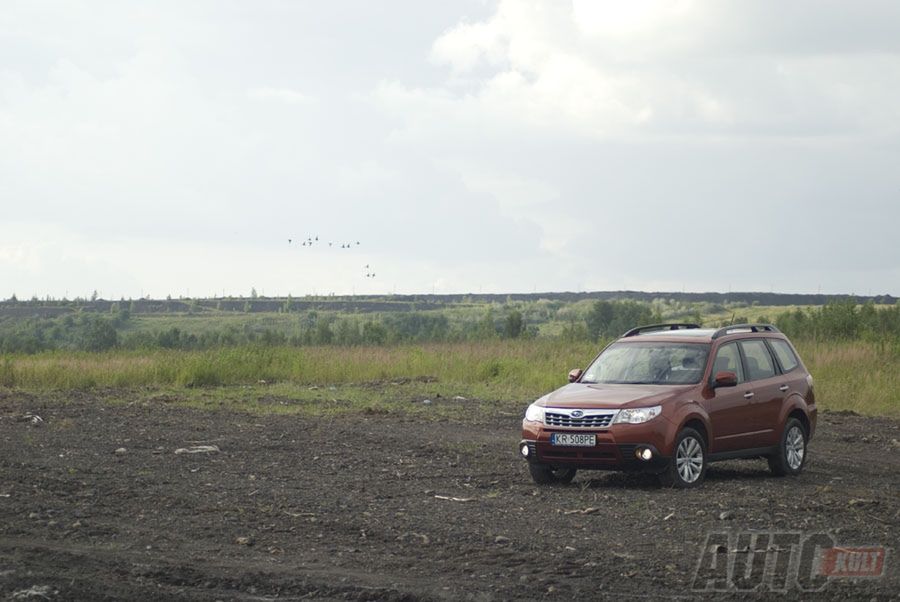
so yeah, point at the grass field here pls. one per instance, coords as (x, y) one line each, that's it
(859, 376)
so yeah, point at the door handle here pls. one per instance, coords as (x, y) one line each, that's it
(748, 395)
(783, 388)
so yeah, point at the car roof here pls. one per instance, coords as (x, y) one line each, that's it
(694, 334)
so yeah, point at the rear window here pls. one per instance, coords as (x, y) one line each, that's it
(785, 354)
(758, 360)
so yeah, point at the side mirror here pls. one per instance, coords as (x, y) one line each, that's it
(725, 379)
(574, 375)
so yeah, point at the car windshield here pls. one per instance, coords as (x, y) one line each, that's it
(649, 364)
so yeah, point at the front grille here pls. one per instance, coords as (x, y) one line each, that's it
(588, 421)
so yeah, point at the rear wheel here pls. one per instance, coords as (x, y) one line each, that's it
(791, 455)
(547, 475)
(688, 465)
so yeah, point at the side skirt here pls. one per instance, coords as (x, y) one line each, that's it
(754, 452)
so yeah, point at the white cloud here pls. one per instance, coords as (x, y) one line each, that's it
(541, 72)
(285, 95)
(466, 45)
(713, 114)
(620, 19)
(605, 68)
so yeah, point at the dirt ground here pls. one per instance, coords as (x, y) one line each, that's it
(353, 508)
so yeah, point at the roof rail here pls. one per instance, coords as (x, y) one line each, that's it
(640, 329)
(751, 327)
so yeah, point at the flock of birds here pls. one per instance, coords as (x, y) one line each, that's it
(310, 241)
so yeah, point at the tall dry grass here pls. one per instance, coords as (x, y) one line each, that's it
(859, 376)
(500, 366)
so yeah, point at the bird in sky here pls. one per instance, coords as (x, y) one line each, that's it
(312, 240)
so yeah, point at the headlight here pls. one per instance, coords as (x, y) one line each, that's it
(534, 413)
(637, 415)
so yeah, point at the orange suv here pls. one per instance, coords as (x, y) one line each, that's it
(670, 399)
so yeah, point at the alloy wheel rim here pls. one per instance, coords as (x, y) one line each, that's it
(689, 459)
(795, 447)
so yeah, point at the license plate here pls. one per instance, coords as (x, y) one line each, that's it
(573, 439)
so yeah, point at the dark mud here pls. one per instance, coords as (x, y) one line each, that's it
(354, 508)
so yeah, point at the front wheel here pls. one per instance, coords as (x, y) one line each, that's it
(547, 475)
(791, 455)
(688, 465)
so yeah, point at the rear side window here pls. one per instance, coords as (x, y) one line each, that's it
(785, 354)
(759, 360)
(729, 360)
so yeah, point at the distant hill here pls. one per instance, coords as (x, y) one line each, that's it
(779, 299)
(406, 303)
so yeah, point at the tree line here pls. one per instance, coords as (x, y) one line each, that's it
(843, 320)
(602, 320)
(90, 331)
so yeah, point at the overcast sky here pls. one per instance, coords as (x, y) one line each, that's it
(174, 147)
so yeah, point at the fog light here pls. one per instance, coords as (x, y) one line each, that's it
(644, 453)
(524, 450)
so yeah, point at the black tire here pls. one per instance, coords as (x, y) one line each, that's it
(547, 475)
(793, 441)
(690, 447)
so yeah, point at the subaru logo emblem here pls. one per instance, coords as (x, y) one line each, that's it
(577, 413)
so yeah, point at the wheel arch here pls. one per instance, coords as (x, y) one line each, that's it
(696, 423)
(694, 416)
(796, 408)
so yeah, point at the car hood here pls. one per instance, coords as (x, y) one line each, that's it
(577, 395)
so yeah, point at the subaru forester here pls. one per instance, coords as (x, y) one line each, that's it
(670, 399)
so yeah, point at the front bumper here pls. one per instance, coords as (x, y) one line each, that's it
(603, 456)
(614, 450)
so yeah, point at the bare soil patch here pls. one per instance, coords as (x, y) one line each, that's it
(95, 504)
